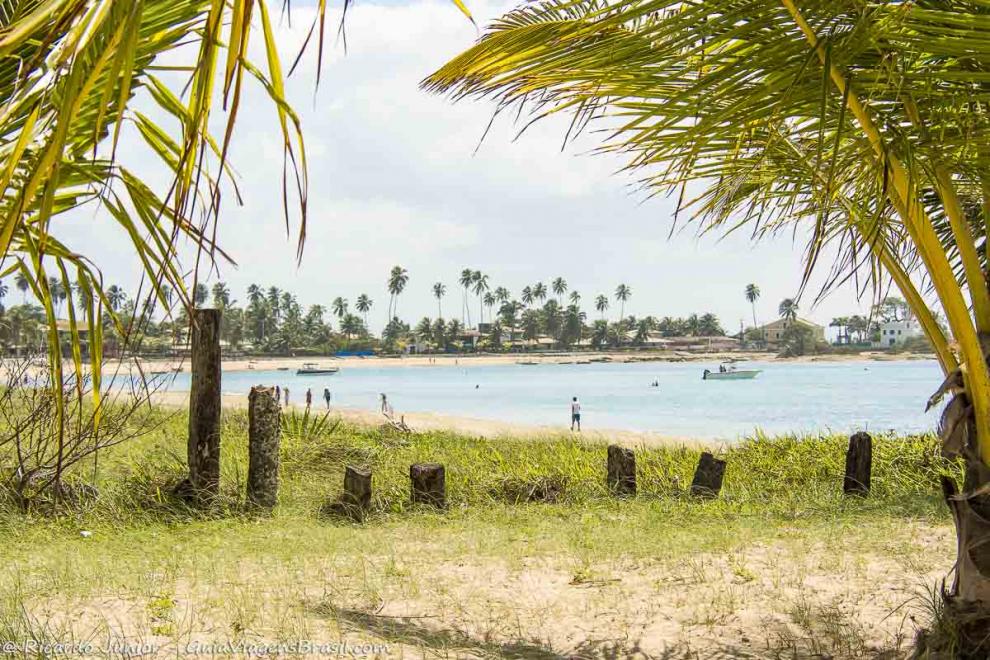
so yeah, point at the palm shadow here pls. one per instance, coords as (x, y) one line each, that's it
(412, 632)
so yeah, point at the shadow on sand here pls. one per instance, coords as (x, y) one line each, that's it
(411, 631)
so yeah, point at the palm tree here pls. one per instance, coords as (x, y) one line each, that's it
(466, 280)
(397, 279)
(200, 293)
(274, 297)
(752, 295)
(255, 294)
(80, 63)
(364, 304)
(788, 114)
(115, 297)
(339, 307)
(439, 291)
(540, 292)
(575, 298)
(559, 286)
(480, 283)
(788, 309)
(489, 300)
(622, 294)
(601, 304)
(527, 296)
(23, 284)
(502, 294)
(221, 295)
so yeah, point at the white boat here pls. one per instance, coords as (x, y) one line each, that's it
(313, 369)
(731, 373)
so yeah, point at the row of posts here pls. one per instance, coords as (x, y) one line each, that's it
(428, 484)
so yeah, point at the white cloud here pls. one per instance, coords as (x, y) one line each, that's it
(393, 179)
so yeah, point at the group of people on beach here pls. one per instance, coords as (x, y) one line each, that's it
(282, 394)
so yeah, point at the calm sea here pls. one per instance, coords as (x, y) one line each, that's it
(810, 397)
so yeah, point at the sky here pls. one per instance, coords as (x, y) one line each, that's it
(395, 178)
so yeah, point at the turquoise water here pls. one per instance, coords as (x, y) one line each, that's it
(786, 397)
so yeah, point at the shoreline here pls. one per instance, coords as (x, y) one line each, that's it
(491, 359)
(473, 426)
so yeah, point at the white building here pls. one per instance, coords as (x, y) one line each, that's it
(895, 333)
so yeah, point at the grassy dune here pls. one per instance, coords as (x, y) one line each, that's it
(782, 565)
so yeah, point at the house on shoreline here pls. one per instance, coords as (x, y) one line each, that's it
(895, 333)
(773, 332)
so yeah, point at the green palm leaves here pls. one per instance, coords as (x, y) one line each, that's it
(865, 124)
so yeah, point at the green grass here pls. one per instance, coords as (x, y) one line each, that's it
(299, 573)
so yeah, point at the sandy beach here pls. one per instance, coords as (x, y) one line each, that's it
(483, 359)
(483, 428)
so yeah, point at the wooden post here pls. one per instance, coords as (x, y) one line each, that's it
(859, 463)
(621, 470)
(264, 437)
(428, 484)
(204, 406)
(708, 476)
(356, 498)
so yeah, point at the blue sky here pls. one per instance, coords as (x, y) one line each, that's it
(394, 180)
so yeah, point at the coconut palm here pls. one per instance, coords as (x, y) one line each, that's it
(601, 304)
(22, 283)
(363, 305)
(527, 296)
(622, 294)
(255, 294)
(83, 67)
(856, 119)
(466, 280)
(115, 297)
(752, 295)
(398, 277)
(575, 298)
(221, 295)
(559, 286)
(200, 294)
(480, 285)
(439, 291)
(788, 309)
(57, 292)
(540, 292)
(339, 307)
(489, 299)
(502, 294)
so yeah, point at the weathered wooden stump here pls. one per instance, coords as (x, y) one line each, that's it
(859, 463)
(621, 470)
(204, 407)
(355, 501)
(708, 476)
(428, 484)
(264, 437)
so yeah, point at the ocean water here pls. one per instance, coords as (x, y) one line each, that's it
(786, 397)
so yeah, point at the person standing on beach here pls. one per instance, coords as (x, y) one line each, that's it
(309, 398)
(575, 414)
(384, 402)
(278, 394)
(286, 392)
(327, 396)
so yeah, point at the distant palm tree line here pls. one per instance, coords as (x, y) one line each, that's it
(273, 321)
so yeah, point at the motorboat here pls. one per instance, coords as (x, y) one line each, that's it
(730, 373)
(313, 369)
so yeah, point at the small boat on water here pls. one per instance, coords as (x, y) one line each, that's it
(730, 373)
(313, 369)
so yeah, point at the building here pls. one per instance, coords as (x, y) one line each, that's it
(895, 333)
(773, 332)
